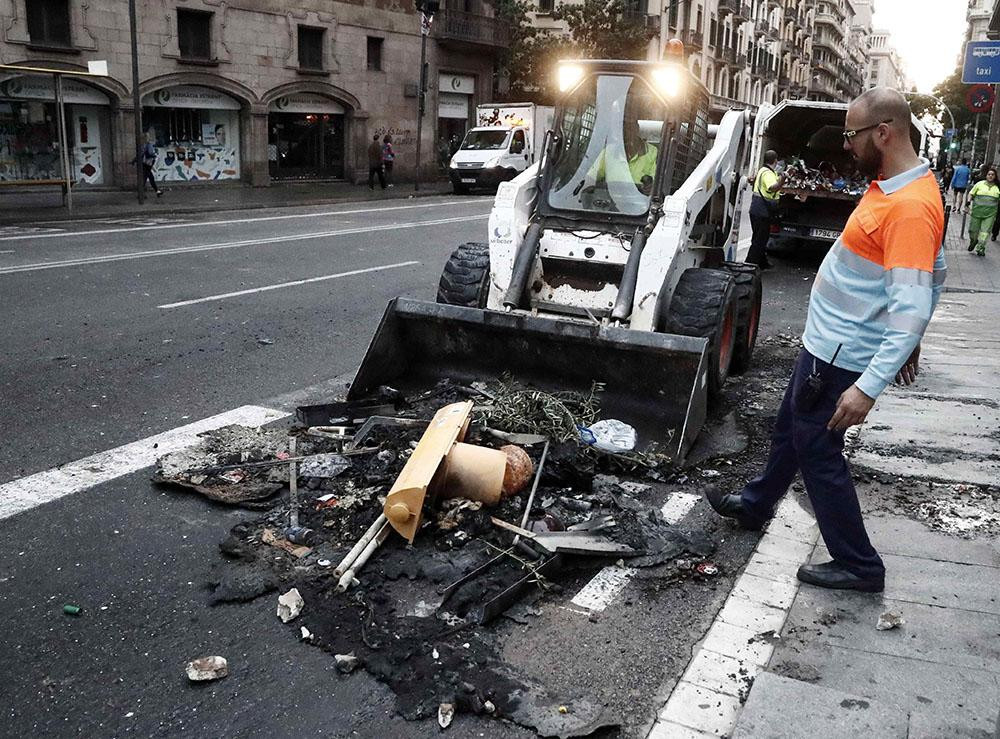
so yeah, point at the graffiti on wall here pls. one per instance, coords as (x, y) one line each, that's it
(400, 136)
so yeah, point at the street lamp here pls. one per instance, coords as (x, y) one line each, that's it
(427, 9)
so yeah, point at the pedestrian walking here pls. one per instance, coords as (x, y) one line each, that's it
(960, 183)
(764, 208)
(148, 158)
(947, 173)
(985, 199)
(870, 304)
(375, 168)
(388, 158)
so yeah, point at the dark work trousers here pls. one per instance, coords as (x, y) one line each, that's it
(761, 226)
(372, 173)
(802, 443)
(996, 224)
(147, 176)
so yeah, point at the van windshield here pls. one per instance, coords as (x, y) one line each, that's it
(609, 142)
(482, 140)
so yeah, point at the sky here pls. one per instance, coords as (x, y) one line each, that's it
(928, 34)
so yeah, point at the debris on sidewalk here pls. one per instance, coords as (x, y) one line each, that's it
(346, 663)
(889, 620)
(204, 669)
(72, 610)
(290, 605)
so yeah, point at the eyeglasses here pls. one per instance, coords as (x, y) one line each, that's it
(851, 133)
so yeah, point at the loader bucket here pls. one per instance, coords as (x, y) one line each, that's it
(654, 382)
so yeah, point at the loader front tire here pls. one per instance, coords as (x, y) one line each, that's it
(749, 294)
(465, 280)
(704, 305)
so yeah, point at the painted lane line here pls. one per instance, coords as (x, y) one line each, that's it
(26, 493)
(232, 221)
(83, 261)
(294, 283)
(608, 584)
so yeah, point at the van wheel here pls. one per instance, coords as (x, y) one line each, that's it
(704, 305)
(748, 294)
(465, 280)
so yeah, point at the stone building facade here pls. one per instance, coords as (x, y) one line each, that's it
(253, 91)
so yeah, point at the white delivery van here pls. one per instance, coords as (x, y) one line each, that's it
(507, 139)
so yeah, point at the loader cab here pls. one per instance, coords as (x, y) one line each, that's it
(611, 155)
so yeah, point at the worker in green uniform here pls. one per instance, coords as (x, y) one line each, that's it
(640, 158)
(764, 208)
(984, 196)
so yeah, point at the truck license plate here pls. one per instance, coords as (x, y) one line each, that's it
(824, 233)
(469, 180)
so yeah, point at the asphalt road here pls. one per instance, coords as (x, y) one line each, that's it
(115, 331)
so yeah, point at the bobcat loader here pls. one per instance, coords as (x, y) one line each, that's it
(617, 258)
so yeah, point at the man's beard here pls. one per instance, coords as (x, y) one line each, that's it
(869, 160)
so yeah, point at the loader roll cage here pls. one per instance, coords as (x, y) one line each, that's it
(621, 142)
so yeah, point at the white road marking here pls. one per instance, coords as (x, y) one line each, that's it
(7, 251)
(26, 493)
(223, 296)
(82, 261)
(231, 221)
(608, 584)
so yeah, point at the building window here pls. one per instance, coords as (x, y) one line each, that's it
(48, 22)
(374, 54)
(194, 34)
(310, 47)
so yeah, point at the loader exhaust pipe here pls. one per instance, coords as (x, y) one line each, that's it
(522, 266)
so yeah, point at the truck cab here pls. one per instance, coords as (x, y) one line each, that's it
(488, 156)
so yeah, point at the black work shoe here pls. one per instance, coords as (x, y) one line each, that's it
(730, 506)
(972, 247)
(833, 576)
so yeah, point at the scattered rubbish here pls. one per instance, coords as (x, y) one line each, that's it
(563, 709)
(300, 535)
(72, 610)
(362, 543)
(706, 568)
(324, 465)
(269, 537)
(609, 435)
(305, 634)
(518, 471)
(207, 668)
(710, 473)
(446, 714)
(526, 410)
(826, 617)
(346, 663)
(290, 605)
(264, 341)
(889, 620)
(348, 579)
(323, 562)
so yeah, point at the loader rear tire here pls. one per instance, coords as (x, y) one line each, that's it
(465, 280)
(704, 305)
(749, 294)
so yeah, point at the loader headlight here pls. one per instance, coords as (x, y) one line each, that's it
(569, 75)
(668, 80)
(491, 163)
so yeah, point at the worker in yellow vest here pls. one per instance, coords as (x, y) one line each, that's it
(764, 208)
(984, 195)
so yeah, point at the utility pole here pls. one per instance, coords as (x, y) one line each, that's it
(136, 103)
(427, 9)
(63, 141)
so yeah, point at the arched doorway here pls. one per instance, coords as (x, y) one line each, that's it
(306, 137)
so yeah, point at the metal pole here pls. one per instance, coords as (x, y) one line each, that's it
(63, 143)
(975, 135)
(136, 103)
(424, 30)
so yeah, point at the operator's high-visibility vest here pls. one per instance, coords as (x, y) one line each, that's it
(766, 179)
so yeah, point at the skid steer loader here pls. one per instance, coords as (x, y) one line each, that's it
(616, 259)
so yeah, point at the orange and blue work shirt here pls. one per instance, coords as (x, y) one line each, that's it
(879, 284)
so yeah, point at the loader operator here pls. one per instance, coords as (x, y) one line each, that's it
(639, 166)
(764, 208)
(870, 304)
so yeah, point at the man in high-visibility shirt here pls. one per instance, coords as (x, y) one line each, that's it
(763, 208)
(639, 165)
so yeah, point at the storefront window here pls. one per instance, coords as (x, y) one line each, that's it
(306, 145)
(29, 141)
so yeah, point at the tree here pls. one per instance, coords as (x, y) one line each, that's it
(607, 29)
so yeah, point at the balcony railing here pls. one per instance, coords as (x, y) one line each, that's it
(471, 28)
(694, 39)
(829, 19)
(729, 6)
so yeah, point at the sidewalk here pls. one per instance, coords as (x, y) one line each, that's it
(789, 660)
(38, 206)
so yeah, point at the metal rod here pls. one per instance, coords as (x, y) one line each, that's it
(136, 102)
(63, 144)
(424, 31)
(348, 577)
(352, 555)
(293, 485)
(534, 487)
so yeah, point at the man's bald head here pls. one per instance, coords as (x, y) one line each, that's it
(883, 104)
(770, 157)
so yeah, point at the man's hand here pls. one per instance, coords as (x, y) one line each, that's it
(852, 409)
(907, 374)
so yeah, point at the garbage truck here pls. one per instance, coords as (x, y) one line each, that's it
(823, 185)
(506, 141)
(618, 258)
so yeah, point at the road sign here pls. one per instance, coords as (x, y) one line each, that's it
(982, 63)
(979, 98)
